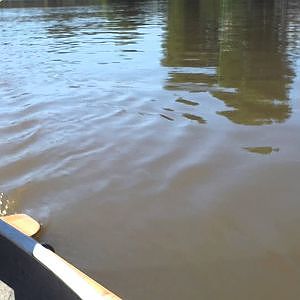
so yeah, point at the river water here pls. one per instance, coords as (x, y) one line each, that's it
(158, 141)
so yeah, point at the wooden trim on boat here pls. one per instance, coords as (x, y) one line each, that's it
(85, 287)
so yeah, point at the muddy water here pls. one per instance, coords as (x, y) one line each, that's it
(158, 142)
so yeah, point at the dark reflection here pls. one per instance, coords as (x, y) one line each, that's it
(253, 60)
(237, 51)
(187, 102)
(124, 18)
(166, 117)
(62, 26)
(48, 3)
(192, 117)
(192, 41)
(262, 150)
(120, 19)
(192, 34)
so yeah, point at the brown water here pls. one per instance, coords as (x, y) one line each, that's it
(158, 141)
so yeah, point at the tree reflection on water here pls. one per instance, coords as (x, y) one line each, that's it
(245, 47)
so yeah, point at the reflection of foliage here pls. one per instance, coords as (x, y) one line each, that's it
(246, 42)
(253, 60)
(192, 117)
(192, 33)
(262, 150)
(48, 3)
(121, 18)
(250, 109)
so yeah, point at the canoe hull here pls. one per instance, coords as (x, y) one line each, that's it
(20, 270)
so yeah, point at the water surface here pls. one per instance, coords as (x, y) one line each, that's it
(158, 141)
